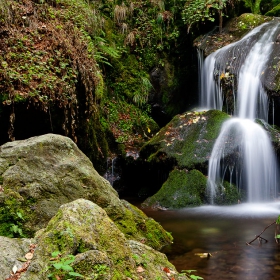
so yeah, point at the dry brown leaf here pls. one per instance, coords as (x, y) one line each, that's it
(140, 269)
(29, 256)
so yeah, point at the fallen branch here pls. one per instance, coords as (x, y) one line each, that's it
(259, 236)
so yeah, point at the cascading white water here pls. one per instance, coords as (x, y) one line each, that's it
(243, 147)
(253, 160)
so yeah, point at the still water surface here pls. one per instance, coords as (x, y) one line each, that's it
(223, 232)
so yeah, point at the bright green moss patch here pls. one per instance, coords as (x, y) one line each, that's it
(136, 225)
(181, 189)
(250, 21)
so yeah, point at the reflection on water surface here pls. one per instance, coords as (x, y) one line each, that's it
(223, 231)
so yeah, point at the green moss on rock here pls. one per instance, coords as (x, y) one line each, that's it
(188, 138)
(83, 229)
(181, 189)
(227, 194)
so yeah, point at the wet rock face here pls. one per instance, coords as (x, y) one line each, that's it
(40, 174)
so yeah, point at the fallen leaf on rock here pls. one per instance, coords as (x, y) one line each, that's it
(14, 269)
(166, 269)
(140, 269)
(22, 259)
(24, 267)
(29, 256)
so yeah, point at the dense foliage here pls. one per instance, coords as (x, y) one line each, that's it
(85, 66)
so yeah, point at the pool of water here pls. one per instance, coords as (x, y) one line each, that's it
(223, 232)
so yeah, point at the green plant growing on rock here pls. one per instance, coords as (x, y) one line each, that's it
(15, 229)
(189, 273)
(141, 98)
(195, 11)
(100, 270)
(12, 218)
(63, 267)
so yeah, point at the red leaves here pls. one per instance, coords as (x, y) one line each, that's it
(169, 273)
(166, 269)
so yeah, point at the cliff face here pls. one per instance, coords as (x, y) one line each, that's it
(93, 71)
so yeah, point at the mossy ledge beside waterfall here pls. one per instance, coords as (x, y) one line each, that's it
(242, 154)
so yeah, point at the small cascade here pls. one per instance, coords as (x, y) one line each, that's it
(243, 147)
(243, 152)
(273, 112)
(111, 174)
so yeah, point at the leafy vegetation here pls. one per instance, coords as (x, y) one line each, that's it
(62, 267)
(190, 274)
(12, 219)
(69, 59)
(195, 11)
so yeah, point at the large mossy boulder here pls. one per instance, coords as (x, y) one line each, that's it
(188, 139)
(88, 242)
(40, 174)
(182, 188)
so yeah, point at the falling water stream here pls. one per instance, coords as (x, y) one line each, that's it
(243, 148)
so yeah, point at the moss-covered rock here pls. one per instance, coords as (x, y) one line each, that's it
(228, 194)
(83, 229)
(41, 173)
(183, 188)
(234, 30)
(188, 139)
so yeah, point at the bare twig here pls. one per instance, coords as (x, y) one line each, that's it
(259, 236)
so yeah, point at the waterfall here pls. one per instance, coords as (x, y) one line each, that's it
(243, 147)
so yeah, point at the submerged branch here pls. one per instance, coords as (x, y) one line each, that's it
(259, 236)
